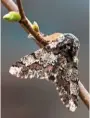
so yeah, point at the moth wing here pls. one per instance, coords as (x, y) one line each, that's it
(36, 65)
(68, 88)
(51, 64)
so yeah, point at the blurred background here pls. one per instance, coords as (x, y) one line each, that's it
(38, 98)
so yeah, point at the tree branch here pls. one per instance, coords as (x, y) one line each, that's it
(84, 95)
(20, 7)
(39, 39)
(25, 23)
(10, 5)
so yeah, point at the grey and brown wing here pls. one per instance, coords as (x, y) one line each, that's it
(52, 68)
(36, 65)
(55, 62)
(68, 88)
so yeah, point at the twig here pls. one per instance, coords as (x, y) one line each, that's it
(39, 39)
(11, 6)
(21, 11)
(84, 95)
(25, 23)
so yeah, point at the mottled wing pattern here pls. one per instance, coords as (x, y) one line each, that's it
(56, 62)
(36, 65)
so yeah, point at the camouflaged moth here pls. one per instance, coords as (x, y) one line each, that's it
(56, 62)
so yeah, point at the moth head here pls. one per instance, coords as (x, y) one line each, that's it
(73, 42)
(69, 44)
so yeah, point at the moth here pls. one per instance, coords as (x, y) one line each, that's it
(56, 62)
